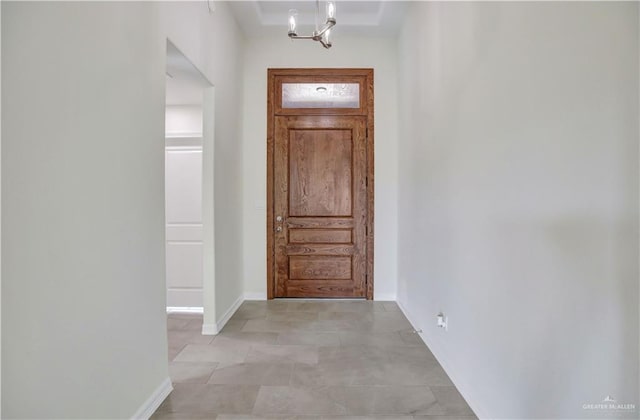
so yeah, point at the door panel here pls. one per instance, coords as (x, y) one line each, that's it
(184, 271)
(320, 206)
(320, 165)
(314, 236)
(320, 267)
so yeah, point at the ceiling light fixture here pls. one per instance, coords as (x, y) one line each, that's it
(321, 35)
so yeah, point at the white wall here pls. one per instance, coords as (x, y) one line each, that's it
(82, 210)
(0, 211)
(280, 52)
(218, 55)
(183, 121)
(208, 210)
(518, 213)
(83, 197)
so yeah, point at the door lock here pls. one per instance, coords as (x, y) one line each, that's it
(279, 219)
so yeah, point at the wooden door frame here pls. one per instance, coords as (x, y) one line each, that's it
(275, 77)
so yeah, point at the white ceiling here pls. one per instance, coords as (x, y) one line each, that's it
(259, 18)
(379, 18)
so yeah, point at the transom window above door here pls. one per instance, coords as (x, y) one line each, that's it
(320, 95)
(302, 92)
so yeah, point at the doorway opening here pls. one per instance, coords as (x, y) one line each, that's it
(320, 188)
(188, 184)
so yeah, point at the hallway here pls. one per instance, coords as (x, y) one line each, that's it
(313, 359)
(506, 196)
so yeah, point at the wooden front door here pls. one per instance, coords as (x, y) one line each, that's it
(319, 199)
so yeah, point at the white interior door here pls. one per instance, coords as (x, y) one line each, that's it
(184, 250)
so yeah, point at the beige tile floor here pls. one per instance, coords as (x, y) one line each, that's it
(299, 359)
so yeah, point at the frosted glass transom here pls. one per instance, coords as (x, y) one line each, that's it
(320, 95)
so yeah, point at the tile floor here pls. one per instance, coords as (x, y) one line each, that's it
(307, 359)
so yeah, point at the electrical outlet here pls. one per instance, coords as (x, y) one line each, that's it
(442, 321)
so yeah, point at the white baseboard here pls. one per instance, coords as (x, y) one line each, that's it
(185, 309)
(385, 296)
(447, 366)
(210, 329)
(227, 315)
(255, 296)
(152, 403)
(214, 329)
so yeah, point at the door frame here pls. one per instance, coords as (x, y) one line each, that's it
(275, 78)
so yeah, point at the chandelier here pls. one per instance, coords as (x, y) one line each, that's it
(321, 34)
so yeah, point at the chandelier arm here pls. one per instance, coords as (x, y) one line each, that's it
(330, 24)
(292, 36)
(324, 44)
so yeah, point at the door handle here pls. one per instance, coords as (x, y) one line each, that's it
(279, 229)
